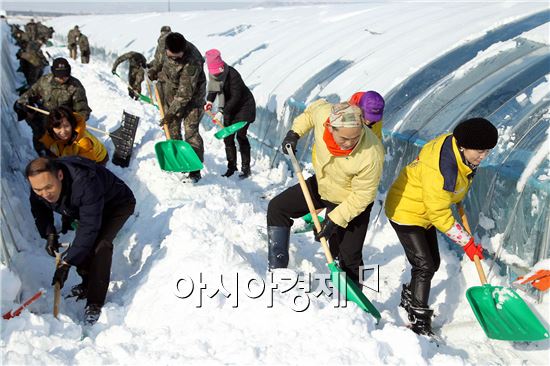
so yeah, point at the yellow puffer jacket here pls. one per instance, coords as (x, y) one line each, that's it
(84, 144)
(349, 181)
(423, 193)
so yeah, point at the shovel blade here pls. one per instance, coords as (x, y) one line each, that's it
(229, 130)
(353, 293)
(123, 139)
(504, 315)
(177, 156)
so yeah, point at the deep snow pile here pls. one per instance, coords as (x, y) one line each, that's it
(216, 229)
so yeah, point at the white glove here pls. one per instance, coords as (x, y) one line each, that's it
(208, 106)
(219, 117)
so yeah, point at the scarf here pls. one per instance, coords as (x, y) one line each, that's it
(216, 83)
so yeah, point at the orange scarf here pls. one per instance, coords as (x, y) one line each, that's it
(332, 146)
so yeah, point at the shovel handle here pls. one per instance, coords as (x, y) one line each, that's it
(480, 271)
(161, 110)
(214, 118)
(309, 201)
(38, 110)
(57, 288)
(11, 314)
(149, 88)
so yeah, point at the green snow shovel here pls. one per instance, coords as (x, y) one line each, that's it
(226, 131)
(175, 155)
(337, 275)
(500, 311)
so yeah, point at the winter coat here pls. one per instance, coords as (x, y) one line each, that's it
(183, 82)
(52, 94)
(350, 181)
(88, 190)
(33, 55)
(239, 101)
(72, 38)
(84, 45)
(137, 63)
(83, 143)
(31, 28)
(156, 64)
(425, 189)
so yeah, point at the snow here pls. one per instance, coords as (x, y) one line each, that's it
(213, 233)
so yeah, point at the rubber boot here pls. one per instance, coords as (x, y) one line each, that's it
(245, 162)
(277, 246)
(421, 320)
(406, 297)
(231, 154)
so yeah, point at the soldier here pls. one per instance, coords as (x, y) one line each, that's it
(159, 52)
(44, 33)
(51, 91)
(31, 29)
(21, 37)
(84, 46)
(82, 190)
(183, 91)
(32, 61)
(72, 39)
(137, 63)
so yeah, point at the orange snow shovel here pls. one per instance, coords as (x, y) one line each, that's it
(338, 277)
(175, 155)
(500, 311)
(539, 280)
(12, 314)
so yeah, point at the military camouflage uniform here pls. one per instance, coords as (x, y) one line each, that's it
(72, 39)
(155, 65)
(21, 38)
(44, 33)
(84, 48)
(32, 30)
(32, 62)
(182, 86)
(48, 94)
(136, 63)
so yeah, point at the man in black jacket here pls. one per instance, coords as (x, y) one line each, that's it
(79, 189)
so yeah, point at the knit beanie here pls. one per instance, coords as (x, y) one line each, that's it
(214, 61)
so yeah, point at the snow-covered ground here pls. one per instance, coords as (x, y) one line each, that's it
(212, 234)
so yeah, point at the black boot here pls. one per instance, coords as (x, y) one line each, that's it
(406, 297)
(421, 320)
(277, 246)
(245, 162)
(195, 176)
(231, 154)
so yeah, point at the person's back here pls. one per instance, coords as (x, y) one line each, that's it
(84, 46)
(156, 64)
(32, 30)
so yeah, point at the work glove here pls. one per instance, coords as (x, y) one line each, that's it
(219, 117)
(292, 139)
(66, 224)
(471, 249)
(61, 274)
(20, 110)
(152, 74)
(168, 118)
(207, 106)
(328, 228)
(52, 244)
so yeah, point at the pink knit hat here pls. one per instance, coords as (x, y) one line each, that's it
(214, 61)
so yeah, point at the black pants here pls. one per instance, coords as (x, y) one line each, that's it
(244, 144)
(346, 244)
(96, 269)
(422, 252)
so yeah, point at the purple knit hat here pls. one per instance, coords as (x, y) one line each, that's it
(372, 105)
(214, 61)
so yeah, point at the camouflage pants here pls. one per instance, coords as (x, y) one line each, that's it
(135, 78)
(85, 57)
(72, 51)
(191, 128)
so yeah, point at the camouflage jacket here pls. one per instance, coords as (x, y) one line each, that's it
(32, 30)
(51, 94)
(33, 55)
(44, 32)
(183, 82)
(156, 64)
(72, 37)
(83, 43)
(135, 59)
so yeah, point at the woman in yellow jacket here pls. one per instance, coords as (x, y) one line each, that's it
(348, 166)
(420, 200)
(66, 135)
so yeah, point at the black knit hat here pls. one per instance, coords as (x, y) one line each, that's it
(175, 42)
(476, 133)
(61, 68)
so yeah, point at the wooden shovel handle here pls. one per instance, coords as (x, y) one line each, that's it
(309, 201)
(464, 218)
(57, 288)
(38, 110)
(213, 116)
(161, 110)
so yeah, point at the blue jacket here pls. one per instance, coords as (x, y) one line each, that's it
(88, 190)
